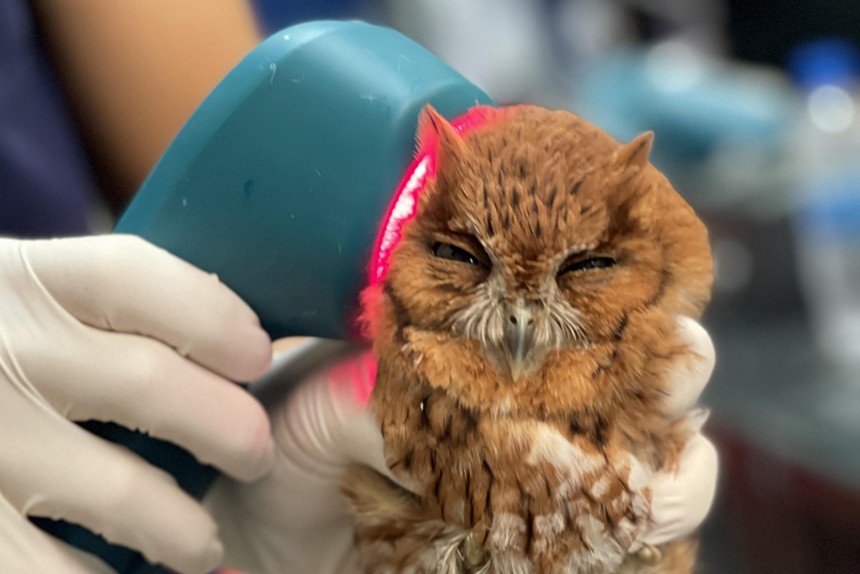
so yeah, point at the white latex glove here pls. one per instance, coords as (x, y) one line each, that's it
(114, 329)
(681, 500)
(295, 521)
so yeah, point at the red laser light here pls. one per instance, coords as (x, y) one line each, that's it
(405, 202)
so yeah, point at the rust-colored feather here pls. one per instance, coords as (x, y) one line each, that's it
(536, 463)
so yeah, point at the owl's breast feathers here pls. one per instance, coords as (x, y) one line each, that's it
(526, 495)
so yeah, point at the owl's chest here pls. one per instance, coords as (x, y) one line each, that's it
(522, 491)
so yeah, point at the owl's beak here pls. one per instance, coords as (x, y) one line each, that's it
(519, 338)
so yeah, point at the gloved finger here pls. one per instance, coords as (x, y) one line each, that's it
(295, 519)
(25, 548)
(328, 423)
(681, 501)
(144, 385)
(323, 426)
(691, 372)
(107, 489)
(135, 287)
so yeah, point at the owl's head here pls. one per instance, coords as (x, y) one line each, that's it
(539, 232)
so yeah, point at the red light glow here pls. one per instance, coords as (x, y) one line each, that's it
(422, 169)
(402, 209)
(356, 375)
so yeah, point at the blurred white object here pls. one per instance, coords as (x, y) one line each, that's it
(500, 45)
(826, 148)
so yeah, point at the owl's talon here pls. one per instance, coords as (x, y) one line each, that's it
(649, 554)
(472, 559)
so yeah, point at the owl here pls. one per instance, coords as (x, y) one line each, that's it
(523, 328)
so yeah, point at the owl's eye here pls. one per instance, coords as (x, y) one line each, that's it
(454, 253)
(587, 264)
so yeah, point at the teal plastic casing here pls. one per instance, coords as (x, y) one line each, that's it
(279, 181)
(278, 184)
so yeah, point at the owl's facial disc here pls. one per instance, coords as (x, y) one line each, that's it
(507, 329)
(518, 316)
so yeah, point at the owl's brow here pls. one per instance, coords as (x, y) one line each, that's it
(456, 227)
(578, 250)
(458, 232)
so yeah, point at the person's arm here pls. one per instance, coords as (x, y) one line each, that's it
(135, 71)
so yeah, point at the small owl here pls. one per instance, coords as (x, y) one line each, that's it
(523, 327)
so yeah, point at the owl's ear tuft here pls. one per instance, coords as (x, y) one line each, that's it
(631, 201)
(435, 132)
(635, 154)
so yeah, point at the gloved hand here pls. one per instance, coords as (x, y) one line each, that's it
(114, 329)
(681, 500)
(295, 520)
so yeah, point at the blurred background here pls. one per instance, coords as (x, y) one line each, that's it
(755, 108)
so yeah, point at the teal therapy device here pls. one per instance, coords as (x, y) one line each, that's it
(279, 183)
(280, 180)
